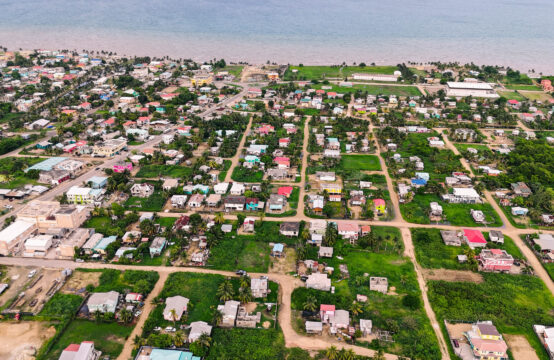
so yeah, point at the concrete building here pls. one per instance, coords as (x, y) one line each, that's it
(475, 89)
(103, 302)
(380, 284)
(83, 351)
(12, 237)
(175, 307)
(38, 245)
(198, 328)
(319, 282)
(84, 195)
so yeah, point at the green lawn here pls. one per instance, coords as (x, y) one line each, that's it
(512, 95)
(223, 173)
(100, 224)
(523, 87)
(248, 344)
(478, 147)
(153, 203)
(11, 171)
(166, 222)
(360, 162)
(233, 69)
(156, 171)
(386, 311)
(417, 212)
(321, 72)
(62, 305)
(243, 174)
(513, 302)
(125, 281)
(385, 90)
(107, 337)
(241, 252)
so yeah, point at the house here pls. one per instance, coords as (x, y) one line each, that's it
(178, 201)
(326, 312)
(122, 166)
(462, 195)
(83, 195)
(314, 327)
(366, 327)
(175, 307)
(234, 203)
(451, 237)
(470, 88)
(496, 236)
(325, 251)
(521, 189)
(97, 182)
(477, 215)
(436, 209)
(545, 242)
(348, 230)
(278, 250)
(83, 351)
(331, 153)
(546, 336)
(229, 313)
(157, 246)
(53, 177)
(133, 298)
(289, 228)
(495, 260)
(380, 284)
(284, 142)
(341, 320)
(237, 189)
(213, 200)
(331, 188)
(519, 211)
(325, 175)
(282, 162)
(474, 238)
(196, 201)
(252, 204)
(259, 287)
(221, 188)
(285, 191)
(103, 302)
(169, 184)
(486, 342)
(198, 328)
(380, 206)
(142, 190)
(276, 202)
(319, 282)
(248, 225)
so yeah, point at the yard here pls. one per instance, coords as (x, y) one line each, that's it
(240, 252)
(234, 70)
(321, 72)
(243, 174)
(11, 171)
(107, 337)
(360, 162)
(155, 202)
(417, 212)
(248, 344)
(129, 280)
(100, 224)
(512, 95)
(412, 330)
(157, 171)
(385, 90)
(529, 302)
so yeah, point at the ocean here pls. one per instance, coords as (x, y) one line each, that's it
(517, 33)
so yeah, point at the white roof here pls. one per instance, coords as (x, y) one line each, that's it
(38, 241)
(11, 233)
(78, 191)
(468, 85)
(465, 192)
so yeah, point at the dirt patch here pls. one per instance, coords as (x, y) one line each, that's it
(284, 265)
(456, 331)
(266, 324)
(24, 338)
(79, 280)
(16, 278)
(42, 286)
(452, 275)
(250, 307)
(520, 347)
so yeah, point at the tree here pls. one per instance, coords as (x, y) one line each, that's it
(331, 235)
(201, 345)
(173, 314)
(179, 338)
(245, 295)
(411, 301)
(219, 218)
(225, 290)
(244, 281)
(310, 304)
(356, 308)
(331, 353)
(218, 316)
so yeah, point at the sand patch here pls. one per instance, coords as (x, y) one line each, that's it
(452, 275)
(266, 324)
(80, 280)
(520, 347)
(23, 338)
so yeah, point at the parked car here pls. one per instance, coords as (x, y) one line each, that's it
(456, 343)
(157, 328)
(170, 329)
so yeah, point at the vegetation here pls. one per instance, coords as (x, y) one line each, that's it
(61, 305)
(360, 162)
(130, 280)
(157, 171)
(243, 174)
(240, 252)
(247, 344)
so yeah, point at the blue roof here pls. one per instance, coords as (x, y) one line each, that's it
(47, 164)
(278, 248)
(166, 354)
(103, 244)
(98, 179)
(419, 181)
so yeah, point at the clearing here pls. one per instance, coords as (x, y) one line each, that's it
(27, 336)
(520, 347)
(452, 275)
(79, 280)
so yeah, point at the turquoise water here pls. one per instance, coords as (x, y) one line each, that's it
(504, 32)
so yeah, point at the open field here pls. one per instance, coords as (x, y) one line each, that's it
(520, 347)
(79, 280)
(512, 95)
(321, 72)
(385, 90)
(360, 162)
(153, 203)
(23, 337)
(452, 275)
(536, 95)
(240, 252)
(156, 171)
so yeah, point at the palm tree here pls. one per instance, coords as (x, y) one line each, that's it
(341, 354)
(245, 295)
(219, 218)
(244, 281)
(204, 340)
(139, 341)
(305, 234)
(310, 304)
(225, 290)
(126, 316)
(179, 338)
(218, 316)
(349, 355)
(173, 314)
(97, 315)
(331, 353)
(356, 308)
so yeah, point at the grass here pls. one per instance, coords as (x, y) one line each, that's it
(223, 174)
(360, 162)
(513, 302)
(512, 95)
(537, 96)
(385, 90)
(155, 171)
(321, 72)
(233, 69)
(107, 337)
(522, 87)
(417, 211)
(243, 174)
(100, 224)
(11, 171)
(240, 252)
(153, 203)
(130, 280)
(478, 147)
(166, 222)
(62, 305)
(386, 311)
(247, 344)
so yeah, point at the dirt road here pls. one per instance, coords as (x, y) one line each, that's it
(235, 159)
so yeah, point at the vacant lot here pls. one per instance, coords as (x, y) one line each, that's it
(79, 280)
(241, 252)
(322, 72)
(153, 203)
(156, 171)
(16, 278)
(23, 337)
(360, 162)
(520, 347)
(452, 275)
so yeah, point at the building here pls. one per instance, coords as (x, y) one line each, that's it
(103, 302)
(122, 166)
(38, 245)
(474, 238)
(234, 203)
(84, 195)
(142, 190)
(375, 77)
(179, 201)
(326, 312)
(259, 287)
(366, 326)
(97, 182)
(546, 336)
(53, 177)
(486, 342)
(380, 284)
(83, 351)
(289, 228)
(341, 320)
(319, 282)
(495, 260)
(12, 237)
(110, 147)
(157, 246)
(475, 89)
(175, 307)
(198, 328)
(314, 327)
(521, 189)
(150, 353)
(496, 236)
(451, 237)
(229, 313)
(463, 196)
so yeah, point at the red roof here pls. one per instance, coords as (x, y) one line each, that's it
(496, 251)
(324, 307)
(285, 190)
(72, 347)
(378, 202)
(513, 101)
(474, 236)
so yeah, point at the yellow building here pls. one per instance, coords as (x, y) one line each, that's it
(201, 80)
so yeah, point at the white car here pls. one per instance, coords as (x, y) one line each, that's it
(8, 206)
(137, 313)
(170, 329)
(31, 273)
(157, 328)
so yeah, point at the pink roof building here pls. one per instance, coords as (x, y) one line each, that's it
(282, 162)
(495, 260)
(326, 312)
(122, 166)
(474, 238)
(285, 190)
